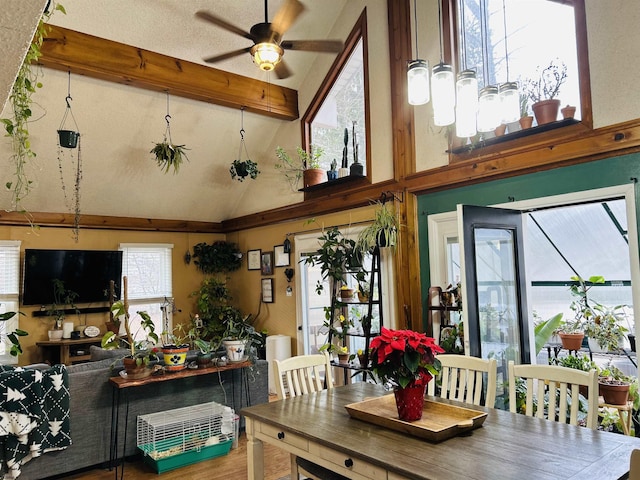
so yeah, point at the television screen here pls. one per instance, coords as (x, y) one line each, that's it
(85, 272)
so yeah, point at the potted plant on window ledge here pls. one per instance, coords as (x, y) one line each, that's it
(306, 166)
(543, 91)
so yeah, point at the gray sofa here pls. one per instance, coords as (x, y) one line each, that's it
(91, 398)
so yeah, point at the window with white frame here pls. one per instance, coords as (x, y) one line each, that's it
(9, 293)
(149, 284)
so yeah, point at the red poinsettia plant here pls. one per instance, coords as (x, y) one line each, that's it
(404, 358)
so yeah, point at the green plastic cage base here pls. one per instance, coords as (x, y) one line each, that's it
(183, 459)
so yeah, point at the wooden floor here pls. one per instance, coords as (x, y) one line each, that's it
(231, 466)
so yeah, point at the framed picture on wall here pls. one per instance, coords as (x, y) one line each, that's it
(266, 263)
(253, 259)
(282, 259)
(267, 290)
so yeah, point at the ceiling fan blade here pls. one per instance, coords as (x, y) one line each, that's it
(282, 70)
(210, 17)
(224, 56)
(285, 17)
(313, 45)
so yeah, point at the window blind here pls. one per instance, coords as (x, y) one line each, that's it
(148, 270)
(9, 268)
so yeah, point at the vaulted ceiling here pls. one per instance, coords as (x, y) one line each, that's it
(119, 124)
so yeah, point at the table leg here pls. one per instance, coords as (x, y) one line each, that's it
(65, 356)
(255, 453)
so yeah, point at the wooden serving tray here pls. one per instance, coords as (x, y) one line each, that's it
(439, 421)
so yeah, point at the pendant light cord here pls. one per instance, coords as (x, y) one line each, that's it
(440, 29)
(415, 23)
(506, 49)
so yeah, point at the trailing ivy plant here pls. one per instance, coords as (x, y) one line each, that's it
(17, 127)
(218, 257)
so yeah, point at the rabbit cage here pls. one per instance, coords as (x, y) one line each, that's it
(183, 436)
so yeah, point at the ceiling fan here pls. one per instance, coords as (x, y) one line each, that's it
(268, 44)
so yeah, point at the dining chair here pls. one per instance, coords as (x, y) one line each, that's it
(561, 384)
(302, 375)
(463, 379)
(634, 470)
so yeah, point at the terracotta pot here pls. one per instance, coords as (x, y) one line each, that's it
(410, 402)
(568, 111)
(346, 293)
(113, 327)
(546, 111)
(363, 297)
(571, 341)
(312, 176)
(500, 130)
(343, 358)
(135, 372)
(174, 357)
(614, 394)
(526, 122)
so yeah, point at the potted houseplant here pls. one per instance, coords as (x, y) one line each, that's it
(614, 386)
(241, 169)
(526, 120)
(306, 166)
(604, 328)
(13, 337)
(571, 331)
(338, 334)
(62, 298)
(175, 346)
(212, 302)
(406, 361)
(141, 352)
(219, 257)
(382, 232)
(544, 89)
(332, 174)
(169, 156)
(240, 339)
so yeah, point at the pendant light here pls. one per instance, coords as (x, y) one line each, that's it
(417, 73)
(467, 103)
(443, 88)
(509, 95)
(489, 110)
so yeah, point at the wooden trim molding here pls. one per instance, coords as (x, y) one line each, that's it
(66, 220)
(83, 54)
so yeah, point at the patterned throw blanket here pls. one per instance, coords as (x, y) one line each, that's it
(34, 415)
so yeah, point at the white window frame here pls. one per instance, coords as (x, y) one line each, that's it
(9, 295)
(158, 303)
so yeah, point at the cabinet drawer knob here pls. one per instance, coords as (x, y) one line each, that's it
(280, 435)
(348, 463)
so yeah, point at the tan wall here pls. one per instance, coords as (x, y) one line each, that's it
(278, 317)
(186, 278)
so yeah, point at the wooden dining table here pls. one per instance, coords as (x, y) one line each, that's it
(507, 446)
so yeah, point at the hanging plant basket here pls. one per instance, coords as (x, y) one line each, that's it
(169, 156)
(68, 138)
(241, 169)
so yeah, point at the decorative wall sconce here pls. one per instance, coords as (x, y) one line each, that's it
(287, 244)
(288, 272)
(187, 257)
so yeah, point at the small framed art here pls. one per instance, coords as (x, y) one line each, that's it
(282, 259)
(267, 290)
(266, 263)
(253, 259)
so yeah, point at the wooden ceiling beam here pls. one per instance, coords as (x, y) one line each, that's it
(95, 57)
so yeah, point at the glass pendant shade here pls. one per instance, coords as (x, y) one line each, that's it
(467, 103)
(489, 109)
(510, 102)
(266, 55)
(443, 92)
(418, 82)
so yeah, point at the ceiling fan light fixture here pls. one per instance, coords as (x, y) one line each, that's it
(266, 55)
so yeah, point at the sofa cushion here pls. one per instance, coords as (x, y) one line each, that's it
(98, 353)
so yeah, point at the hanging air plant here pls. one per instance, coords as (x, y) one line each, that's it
(68, 141)
(167, 154)
(241, 169)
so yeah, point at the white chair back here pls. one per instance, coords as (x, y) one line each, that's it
(462, 378)
(561, 384)
(302, 374)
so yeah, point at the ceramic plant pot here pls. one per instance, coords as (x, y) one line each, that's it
(236, 350)
(174, 357)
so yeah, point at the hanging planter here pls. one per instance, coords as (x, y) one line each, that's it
(241, 169)
(168, 155)
(69, 141)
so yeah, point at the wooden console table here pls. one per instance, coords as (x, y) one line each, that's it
(65, 354)
(121, 385)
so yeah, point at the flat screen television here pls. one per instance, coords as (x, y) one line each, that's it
(85, 272)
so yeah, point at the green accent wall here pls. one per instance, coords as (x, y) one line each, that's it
(587, 176)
